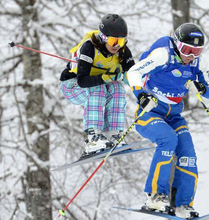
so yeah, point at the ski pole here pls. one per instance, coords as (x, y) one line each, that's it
(62, 212)
(202, 102)
(199, 96)
(123, 136)
(12, 44)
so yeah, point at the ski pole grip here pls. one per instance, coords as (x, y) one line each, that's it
(12, 44)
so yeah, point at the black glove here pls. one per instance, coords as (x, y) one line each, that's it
(147, 102)
(200, 87)
(196, 87)
(65, 75)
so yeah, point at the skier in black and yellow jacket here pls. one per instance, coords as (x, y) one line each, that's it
(93, 82)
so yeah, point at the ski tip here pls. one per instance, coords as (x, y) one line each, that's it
(57, 169)
(12, 44)
(63, 167)
(117, 207)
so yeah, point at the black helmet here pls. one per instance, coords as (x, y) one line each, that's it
(113, 25)
(190, 34)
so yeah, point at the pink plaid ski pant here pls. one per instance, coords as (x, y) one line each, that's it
(104, 105)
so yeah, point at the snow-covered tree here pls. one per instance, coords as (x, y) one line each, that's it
(40, 130)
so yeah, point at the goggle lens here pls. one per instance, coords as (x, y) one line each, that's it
(191, 50)
(114, 41)
(187, 50)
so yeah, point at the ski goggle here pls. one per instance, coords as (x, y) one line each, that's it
(113, 41)
(187, 49)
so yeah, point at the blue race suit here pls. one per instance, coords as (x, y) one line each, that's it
(165, 126)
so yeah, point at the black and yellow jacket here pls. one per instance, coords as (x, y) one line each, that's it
(92, 62)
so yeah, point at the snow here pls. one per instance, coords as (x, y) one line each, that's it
(61, 26)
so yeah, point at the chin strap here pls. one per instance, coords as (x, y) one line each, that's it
(178, 58)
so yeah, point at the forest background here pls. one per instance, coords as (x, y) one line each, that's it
(40, 130)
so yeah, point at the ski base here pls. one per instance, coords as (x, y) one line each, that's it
(160, 214)
(119, 151)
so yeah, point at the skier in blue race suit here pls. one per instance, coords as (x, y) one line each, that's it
(164, 75)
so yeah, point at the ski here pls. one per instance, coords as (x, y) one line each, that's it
(122, 150)
(160, 214)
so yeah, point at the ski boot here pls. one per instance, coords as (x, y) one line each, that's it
(186, 211)
(115, 136)
(159, 202)
(96, 142)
